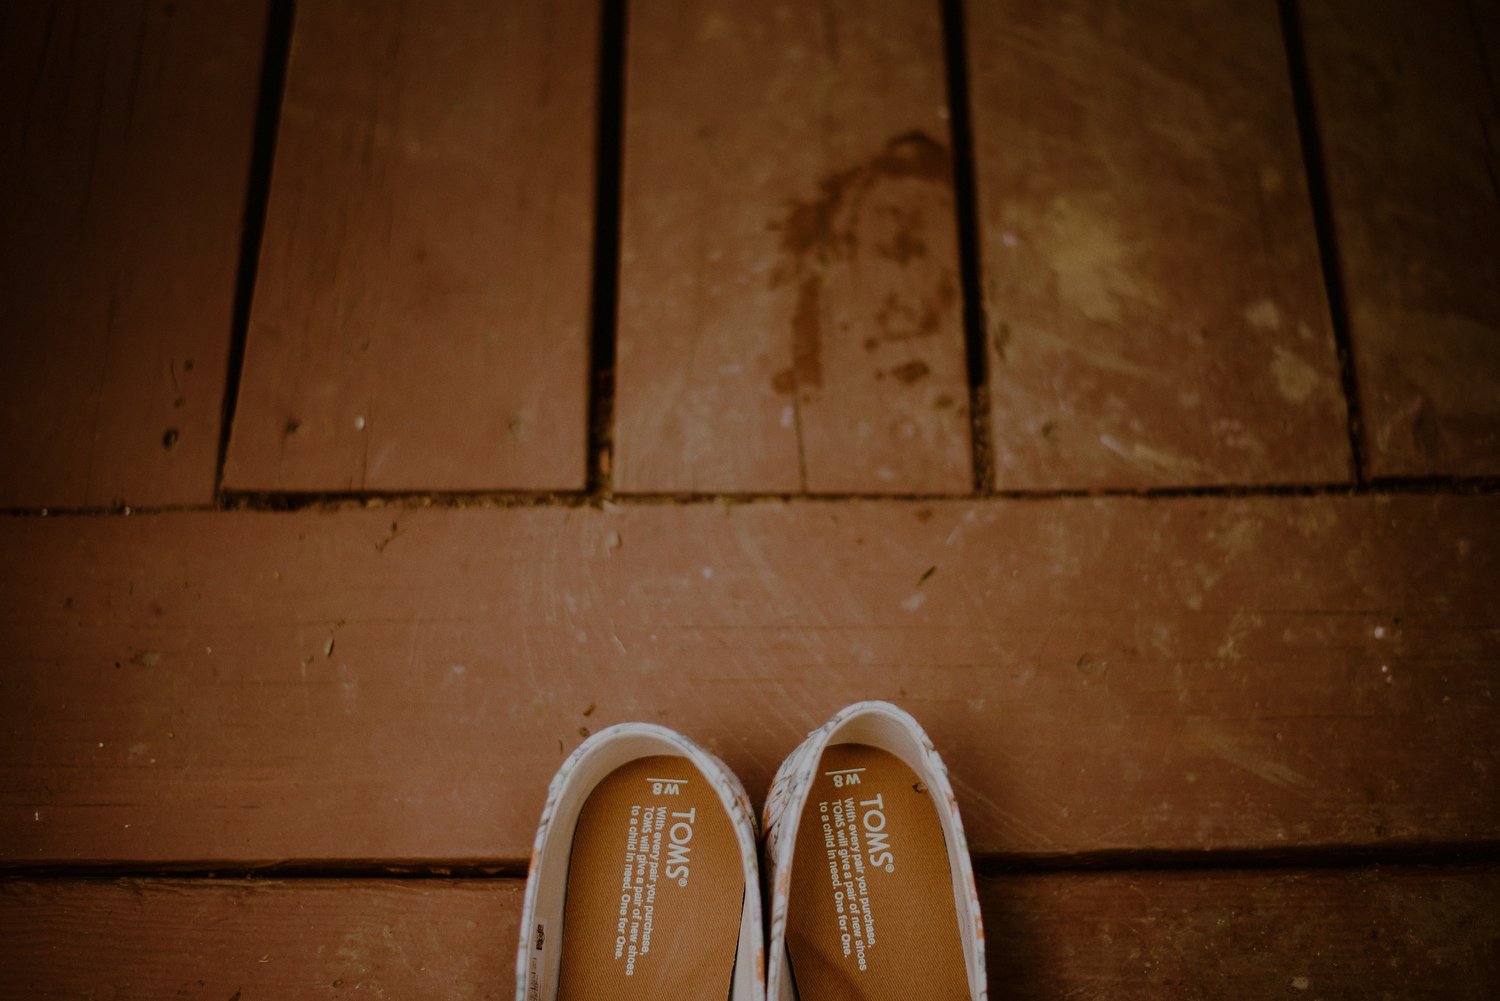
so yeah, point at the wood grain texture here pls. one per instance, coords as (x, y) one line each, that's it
(125, 135)
(421, 308)
(1408, 100)
(1100, 675)
(220, 939)
(1325, 934)
(1358, 933)
(789, 311)
(1155, 306)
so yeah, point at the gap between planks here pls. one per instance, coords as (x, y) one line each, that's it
(970, 265)
(1458, 486)
(1312, 857)
(282, 18)
(605, 293)
(1316, 169)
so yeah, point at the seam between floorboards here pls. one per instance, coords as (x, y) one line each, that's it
(1312, 857)
(1325, 227)
(970, 244)
(1460, 486)
(605, 290)
(280, 23)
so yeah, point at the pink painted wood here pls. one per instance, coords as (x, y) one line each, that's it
(789, 316)
(421, 309)
(1407, 102)
(1155, 306)
(1190, 674)
(125, 137)
(1407, 931)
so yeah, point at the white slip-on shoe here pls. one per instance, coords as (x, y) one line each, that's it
(871, 893)
(643, 880)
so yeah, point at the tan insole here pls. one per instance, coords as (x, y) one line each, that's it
(871, 914)
(655, 888)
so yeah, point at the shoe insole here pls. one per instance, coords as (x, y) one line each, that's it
(655, 891)
(871, 913)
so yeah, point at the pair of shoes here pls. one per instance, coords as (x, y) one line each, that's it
(644, 880)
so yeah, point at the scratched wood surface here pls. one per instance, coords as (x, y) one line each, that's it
(1107, 675)
(789, 302)
(421, 307)
(1151, 276)
(125, 135)
(1354, 933)
(1408, 99)
(118, 940)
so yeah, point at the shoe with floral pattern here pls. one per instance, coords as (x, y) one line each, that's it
(644, 881)
(871, 892)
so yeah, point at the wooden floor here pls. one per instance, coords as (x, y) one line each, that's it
(396, 394)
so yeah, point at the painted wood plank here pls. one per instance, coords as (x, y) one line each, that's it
(1155, 305)
(216, 939)
(1408, 100)
(420, 316)
(1407, 932)
(401, 683)
(789, 312)
(125, 135)
(1352, 933)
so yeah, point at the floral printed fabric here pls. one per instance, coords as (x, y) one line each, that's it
(784, 809)
(731, 794)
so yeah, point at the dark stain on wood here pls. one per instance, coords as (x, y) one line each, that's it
(807, 347)
(1092, 664)
(907, 244)
(910, 372)
(822, 232)
(1001, 338)
(807, 341)
(915, 155)
(902, 320)
(822, 229)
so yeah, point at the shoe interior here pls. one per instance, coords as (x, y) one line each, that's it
(655, 888)
(870, 913)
